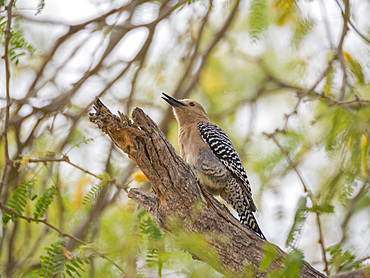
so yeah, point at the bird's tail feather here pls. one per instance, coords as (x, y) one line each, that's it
(247, 218)
(233, 195)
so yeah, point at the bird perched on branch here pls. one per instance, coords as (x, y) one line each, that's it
(209, 150)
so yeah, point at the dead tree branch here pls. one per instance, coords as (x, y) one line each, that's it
(179, 197)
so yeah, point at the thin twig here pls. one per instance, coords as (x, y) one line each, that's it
(66, 159)
(140, 58)
(216, 38)
(332, 101)
(366, 39)
(345, 16)
(310, 195)
(191, 78)
(351, 209)
(72, 30)
(31, 219)
(186, 75)
(291, 163)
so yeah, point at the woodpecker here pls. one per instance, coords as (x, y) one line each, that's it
(209, 151)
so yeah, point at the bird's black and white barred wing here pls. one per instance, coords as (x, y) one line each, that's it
(222, 147)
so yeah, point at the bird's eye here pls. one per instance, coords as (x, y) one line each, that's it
(192, 104)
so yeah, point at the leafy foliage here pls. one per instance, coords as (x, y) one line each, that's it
(342, 260)
(22, 194)
(329, 81)
(52, 264)
(258, 18)
(355, 68)
(17, 44)
(40, 6)
(303, 28)
(322, 208)
(271, 254)
(293, 264)
(18, 201)
(44, 202)
(58, 261)
(95, 190)
(92, 194)
(155, 251)
(299, 219)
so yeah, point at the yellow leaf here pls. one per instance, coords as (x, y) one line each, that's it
(129, 207)
(364, 148)
(140, 177)
(350, 143)
(347, 56)
(25, 160)
(80, 185)
(67, 254)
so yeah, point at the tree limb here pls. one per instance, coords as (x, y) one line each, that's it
(179, 197)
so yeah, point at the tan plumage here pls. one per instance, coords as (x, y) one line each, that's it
(208, 149)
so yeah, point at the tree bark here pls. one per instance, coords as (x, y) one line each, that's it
(179, 202)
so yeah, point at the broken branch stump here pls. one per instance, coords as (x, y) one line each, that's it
(179, 197)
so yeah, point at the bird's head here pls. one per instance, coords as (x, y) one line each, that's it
(187, 110)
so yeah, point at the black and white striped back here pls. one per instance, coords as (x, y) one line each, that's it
(222, 147)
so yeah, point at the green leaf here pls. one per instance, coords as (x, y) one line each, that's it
(342, 260)
(19, 200)
(17, 44)
(40, 6)
(257, 18)
(271, 253)
(329, 81)
(355, 68)
(299, 219)
(52, 265)
(304, 26)
(95, 190)
(55, 264)
(323, 208)
(293, 264)
(92, 194)
(44, 202)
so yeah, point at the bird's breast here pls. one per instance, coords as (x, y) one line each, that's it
(211, 172)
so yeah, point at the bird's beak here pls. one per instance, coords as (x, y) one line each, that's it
(173, 101)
